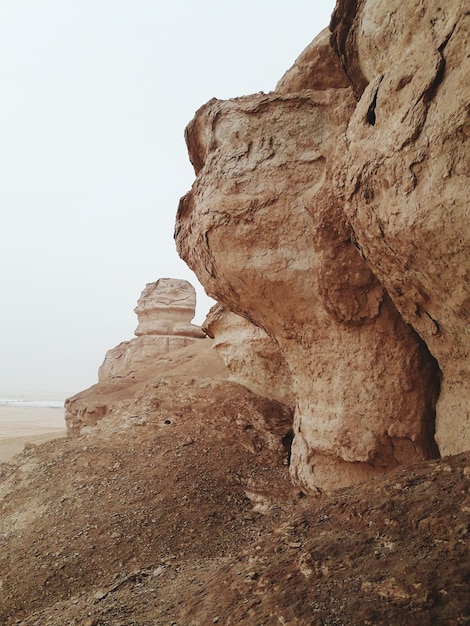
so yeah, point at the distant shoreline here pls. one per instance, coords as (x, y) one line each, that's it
(21, 401)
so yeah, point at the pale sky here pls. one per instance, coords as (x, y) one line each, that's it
(95, 96)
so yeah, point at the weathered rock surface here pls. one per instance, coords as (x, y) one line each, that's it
(182, 475)
(402, 172)
(131, 358)
(316, 68)
(167, 307)
(252, 357)
(176, 508)
(172, 345)
(122, 395)
(266, 236)
(164, 311)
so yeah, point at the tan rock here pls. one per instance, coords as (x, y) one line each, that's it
(263, 423)
(167, 307)
(316, 68)
(402, 173)
(265, 235)
(124, 395)
(130, 358)
(252, 357)
(163, 344)
(164, 310)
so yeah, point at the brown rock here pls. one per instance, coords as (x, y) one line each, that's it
(265, 235)
(252, 357)
(171, 533)
(121, 396)
(197, 465)
(402, 173)
(343, 39)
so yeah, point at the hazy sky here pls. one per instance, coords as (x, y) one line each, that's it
(95, 96)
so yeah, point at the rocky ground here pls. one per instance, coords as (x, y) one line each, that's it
(183, 513)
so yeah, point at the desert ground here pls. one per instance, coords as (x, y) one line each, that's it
(183, 513)
(20, 426)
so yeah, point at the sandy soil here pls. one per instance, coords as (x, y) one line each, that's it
(183, 513)
(28, 425)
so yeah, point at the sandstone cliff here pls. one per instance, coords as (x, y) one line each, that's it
(333, 214)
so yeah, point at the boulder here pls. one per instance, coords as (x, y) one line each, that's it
(265, 234)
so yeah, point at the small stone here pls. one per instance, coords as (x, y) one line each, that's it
(100, 594)
(158, 572)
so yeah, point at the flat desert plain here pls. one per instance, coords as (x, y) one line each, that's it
(23, 425)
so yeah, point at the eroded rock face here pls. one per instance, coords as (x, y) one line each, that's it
(163, 345)
(167, 308)
(125, 395)
(402, 174)
(164, 310)
(316, 68)
(266, 236)
(130, 358)
(252, 357)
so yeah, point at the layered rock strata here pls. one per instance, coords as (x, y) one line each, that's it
(164, 312)
(402, 175)
(167, 308)
(166, 344)
(266, 236)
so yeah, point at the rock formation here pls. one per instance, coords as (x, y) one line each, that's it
(167, 308)
(265, 235)
(252, 357)
(164, 312)
(333, 213)
(166, 343)
(316, 69)
(402, 175)
(311, 218)
(183, 513)
(329, 220)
